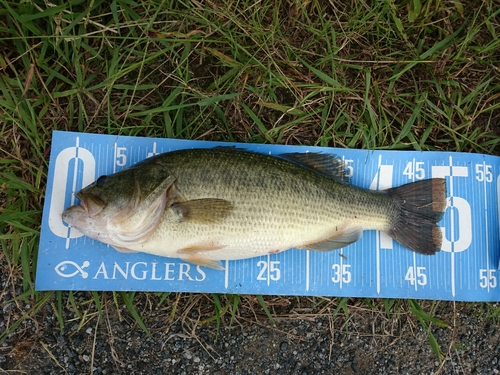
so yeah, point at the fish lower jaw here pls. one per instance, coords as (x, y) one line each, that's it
(73, 213)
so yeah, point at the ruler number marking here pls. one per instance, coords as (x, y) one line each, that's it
(488, 278)
(274, 271)
(414, 170)
(416, 275)
(121, 157)
(341, 273)
(462, 207)
(484, 173)
(69, 163)
(349, 168)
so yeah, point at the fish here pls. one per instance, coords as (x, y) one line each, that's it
(205, 206)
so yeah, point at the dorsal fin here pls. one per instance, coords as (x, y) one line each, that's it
(229, 147)
(328, 164)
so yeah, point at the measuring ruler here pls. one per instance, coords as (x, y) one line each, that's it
(466, 268)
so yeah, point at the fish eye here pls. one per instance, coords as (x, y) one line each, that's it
(101, 181)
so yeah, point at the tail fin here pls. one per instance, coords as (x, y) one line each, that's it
(421, 205)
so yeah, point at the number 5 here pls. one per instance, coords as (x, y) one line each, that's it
(120, 156)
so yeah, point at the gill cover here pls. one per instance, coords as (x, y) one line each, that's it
(141, 219)
(123, 209)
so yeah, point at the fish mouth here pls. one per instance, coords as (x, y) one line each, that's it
(74, 214)
(77, 208)
(91, 204)
(77, 217)
(89, 208)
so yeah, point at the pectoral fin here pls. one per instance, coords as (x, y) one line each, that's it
(206, 210)
(339, 240)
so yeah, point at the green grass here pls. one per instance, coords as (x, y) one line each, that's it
(380, 75)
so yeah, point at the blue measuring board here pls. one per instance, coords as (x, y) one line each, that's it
(466, 268)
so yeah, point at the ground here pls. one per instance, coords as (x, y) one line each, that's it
(300, 339)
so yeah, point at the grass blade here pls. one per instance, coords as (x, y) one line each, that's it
(128, 299)
(264, 307)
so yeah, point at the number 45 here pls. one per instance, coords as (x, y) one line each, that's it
(416, 275)
(414, 170)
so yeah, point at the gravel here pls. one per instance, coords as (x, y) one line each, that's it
(302, 340)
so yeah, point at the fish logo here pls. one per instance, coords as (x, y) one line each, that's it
(64, 269)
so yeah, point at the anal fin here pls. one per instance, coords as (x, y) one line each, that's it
(341, 239)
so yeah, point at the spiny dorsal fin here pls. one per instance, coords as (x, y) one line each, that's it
(228, 148)
(328, 164)
(206, 210)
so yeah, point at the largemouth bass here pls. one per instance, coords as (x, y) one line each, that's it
(208, 205)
